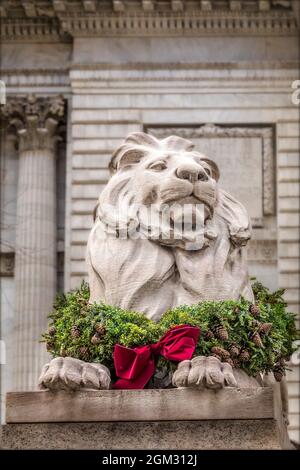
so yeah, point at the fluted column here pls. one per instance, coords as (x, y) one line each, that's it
(36, 121)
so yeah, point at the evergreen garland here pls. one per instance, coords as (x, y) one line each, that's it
(255, 337)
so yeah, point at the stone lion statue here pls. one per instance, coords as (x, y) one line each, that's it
(160, 266)
(142, 257)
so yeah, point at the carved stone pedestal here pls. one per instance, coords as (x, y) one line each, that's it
(146, 419)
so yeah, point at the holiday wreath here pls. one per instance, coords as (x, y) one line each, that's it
(255, 337)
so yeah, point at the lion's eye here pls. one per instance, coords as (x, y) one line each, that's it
(158, 166)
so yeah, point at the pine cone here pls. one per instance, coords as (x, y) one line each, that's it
(244, 356)
(256, 324)
(49, 346)
(84, 353)
(257, 340)
(95, 339)
(51, 330)
(230, 361)
(234, 350)
(75, 331)
(220, 332)
(208, 335)
(254, 310)
(278, 372)
(100, 329)
(265, 328)
(217, 356)
(278, 376)
(220, 352)
(236, 363)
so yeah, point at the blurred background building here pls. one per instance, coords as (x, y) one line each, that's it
(82, 74)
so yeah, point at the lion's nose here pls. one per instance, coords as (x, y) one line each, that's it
(191, 173)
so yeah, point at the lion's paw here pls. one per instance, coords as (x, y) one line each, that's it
(67, 373)
(204, 372)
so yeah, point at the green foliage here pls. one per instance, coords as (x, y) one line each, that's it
(121, 326)
(133, 329)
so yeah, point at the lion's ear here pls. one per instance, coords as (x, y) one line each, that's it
(173, 142)
(126, 155)
(141, 138)
(215, 172)
(133, 150)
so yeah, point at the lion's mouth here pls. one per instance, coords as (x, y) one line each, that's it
(187, 215)
(193, 205)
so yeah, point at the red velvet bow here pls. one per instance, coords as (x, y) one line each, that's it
(135, 366)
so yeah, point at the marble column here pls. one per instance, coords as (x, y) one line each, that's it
(36, 121)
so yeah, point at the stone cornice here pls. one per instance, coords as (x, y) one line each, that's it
(205, 66)
(180, 24)
(61, 20)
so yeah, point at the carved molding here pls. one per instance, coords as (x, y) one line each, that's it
(211, 130)
(7, 264)
(32, 29)
(35, 77)
(35, 120)
(178, 23)
(62, 20)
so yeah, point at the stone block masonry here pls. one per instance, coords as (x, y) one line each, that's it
(146, 419)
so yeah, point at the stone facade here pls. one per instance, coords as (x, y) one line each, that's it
(217, 72)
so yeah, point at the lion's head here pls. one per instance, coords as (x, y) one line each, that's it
(168, 192)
